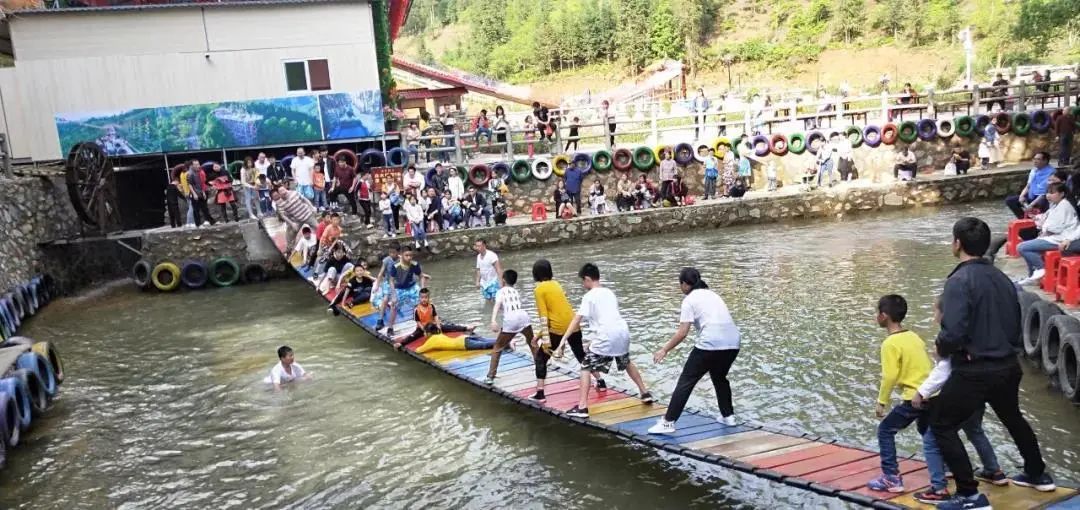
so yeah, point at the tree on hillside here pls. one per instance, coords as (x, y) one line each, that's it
(941, 19)
(423, 54)
(849, 19)
(632, 41)
(665, 41)
(694, 19)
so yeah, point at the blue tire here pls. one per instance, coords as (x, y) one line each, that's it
(21, 311)
(9, 420)
(29, 296)
(981, 121)
(17, 389)
(1040, 121)
(194, 274)
(396, 157)
(41, 368)
(582, 161)
(927, 129)
(872, 136)
(7, 315)
(39, 400)
(372, 157)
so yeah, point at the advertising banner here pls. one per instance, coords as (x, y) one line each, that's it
(381, 175)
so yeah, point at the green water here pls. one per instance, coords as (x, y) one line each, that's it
(164, 406)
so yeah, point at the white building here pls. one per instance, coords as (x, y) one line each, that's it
(113, 59)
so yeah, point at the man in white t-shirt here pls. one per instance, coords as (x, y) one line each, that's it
(287, 370)
(302, 166)
(262, 164)
(488, 269)
(608, 336)
(714, 352)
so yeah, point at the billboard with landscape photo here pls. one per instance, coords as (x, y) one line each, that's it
(352, 114)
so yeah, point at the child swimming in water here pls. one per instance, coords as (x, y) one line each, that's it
(287, 370)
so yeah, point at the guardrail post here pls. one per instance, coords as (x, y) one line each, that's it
(931, 103)
(840, 111)
(1021, 102)
(510, 144)
(652, 120)
(884, 106)
(457, 147)
(975, 99)
(1068, 92)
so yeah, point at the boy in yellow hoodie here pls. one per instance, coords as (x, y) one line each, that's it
(904, 364)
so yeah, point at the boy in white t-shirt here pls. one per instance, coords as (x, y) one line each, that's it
(515, 320)
(488, 269)
(608, 336)
(287, 370)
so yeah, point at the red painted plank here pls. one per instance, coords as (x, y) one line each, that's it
(857, 480)
(788, 458)
(871, 464)
(913, 482)
(551, 390)
(824, 462)
(565, 401)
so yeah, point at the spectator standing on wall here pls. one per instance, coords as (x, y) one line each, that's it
(448, 124)
(1065, 125)
(607, 117)
(197, 189)
(344, 178)
(701, 106)
(668, 171)
(542, 119)
(327, 163)
(365, 195)
(248, 174)
(319, 184)
(574, 178)
(412, 141)
(275, 172)
(262, 164)
(301, 167)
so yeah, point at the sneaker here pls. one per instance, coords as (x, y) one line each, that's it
(379, 325)
(390, 332)
(601, 385)
(647, 398)
(206, 223)
(976, 502)
(933, 497)
(887, 483)
(578, 412)
(728, 420)
(993, 477)
(663, 427)
(1041, 483)
(489, 381)
(538, 396)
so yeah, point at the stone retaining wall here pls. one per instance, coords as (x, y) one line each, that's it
(831, 204)
(244, 242)
(33, 210)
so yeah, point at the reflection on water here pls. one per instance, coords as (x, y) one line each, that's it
(165, 407)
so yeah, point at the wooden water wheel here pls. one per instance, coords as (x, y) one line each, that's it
(91, 185)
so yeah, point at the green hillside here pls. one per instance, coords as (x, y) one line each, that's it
(527, 40)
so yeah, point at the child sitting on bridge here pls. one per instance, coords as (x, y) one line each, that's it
(437, 341)
(353, 288)
(904, 363)
(425, 315)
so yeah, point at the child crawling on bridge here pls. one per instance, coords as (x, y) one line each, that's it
(425, 315)
(438, 341)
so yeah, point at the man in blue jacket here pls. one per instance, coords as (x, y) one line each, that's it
(573, 178)
(980, 334)
(1033, 194)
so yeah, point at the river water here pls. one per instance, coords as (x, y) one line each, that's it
(164, 406)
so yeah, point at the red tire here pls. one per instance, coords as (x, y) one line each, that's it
(622, 160)
(349, 155)
(1002, 122)
(778, 144)
(889, 133)
(479, 175)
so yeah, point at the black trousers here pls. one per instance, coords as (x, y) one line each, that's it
(969, 388)
(897, 168)
(576, 199)
(366, 206)
(174, 213)
(701, 362)
(201, 211)
(225, 212)
(574, 340)
(418, 333)
(334, 193)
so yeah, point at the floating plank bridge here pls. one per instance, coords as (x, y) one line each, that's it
(805, 461)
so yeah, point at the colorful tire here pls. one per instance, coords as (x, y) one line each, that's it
(1057, 330)
(814, 136)
(945, 128)
(644, 158)
(397, 157)
(1021, 123)
(909, 131)
(778, 144)
(684, 154)
(854, 135)
(796, 143)
(11, 312)
(659, 150)
(140, 273)
(52, 355)
(372, 157)
(761, 145)
(462, 172)
(701, 152)
(501, 170)
(479, 175)
(582, 162)
(286, 162)
(872, 136)
(736, 143)
(965, 126)
(194, 274)
(255, 273)
(37, 292)
(622, 160)
(28, 297)
(17, 389)
(1040, 121)
(981, 121)
(22, 308)
(39, 398)
(349, 155)
(721, 141)
(9, 421)
(1069, 367)
(601, 161)
(40, 366)
(521, 171)
(889, 133)
(1003, 122)
(541, 169)
(224, 271)
(927, 129)
(560, 163)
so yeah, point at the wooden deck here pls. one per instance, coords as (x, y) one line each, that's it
(802, 460)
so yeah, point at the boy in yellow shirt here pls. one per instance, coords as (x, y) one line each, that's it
(555, 315)
(437, 341)
(904, 364)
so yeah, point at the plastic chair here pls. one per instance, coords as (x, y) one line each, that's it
(1068, 281)
(539, 211)
(1013, 240)
(1051, 262)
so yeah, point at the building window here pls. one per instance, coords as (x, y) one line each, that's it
(307, 75)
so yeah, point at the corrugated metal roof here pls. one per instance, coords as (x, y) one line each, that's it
(181, 4)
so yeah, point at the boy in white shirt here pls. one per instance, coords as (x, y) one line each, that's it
(515, 320)
(608, 337)
(387, 214)
(305, 244)
(287, 370)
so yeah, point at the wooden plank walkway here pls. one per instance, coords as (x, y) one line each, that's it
(805, 461)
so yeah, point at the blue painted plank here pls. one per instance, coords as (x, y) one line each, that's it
(477, 371)
(686, 421)
(462, 363)
(373, 319)
(706, 432)
(1072, 503)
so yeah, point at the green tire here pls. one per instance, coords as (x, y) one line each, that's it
(644, 158)
(797, 143)
(854, 134)
(601, 161)
(1021, 123)
(224, 271)
(909, 131)
(521, 171)
(965, 126)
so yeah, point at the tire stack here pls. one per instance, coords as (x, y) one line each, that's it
(167, 276)
(27, 387)
(1052, 340)
(22, 301)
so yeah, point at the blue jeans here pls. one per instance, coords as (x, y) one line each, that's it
(249, 197)
(974, 432)
(264, 202)
(388, 219)
(475, 343)
(480, 131)
(1032, 251)
(898, 419)
(415, 152)
(190, 212)
(826, 168)
(320, 198)
(710, 187)
(418, 233)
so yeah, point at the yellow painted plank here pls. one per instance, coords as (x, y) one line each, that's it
(444, 357)
(362, 309)
(638, 413)
(615, 405)
(762, 445)
(751, 435)
(1007, 496)
(795, 448)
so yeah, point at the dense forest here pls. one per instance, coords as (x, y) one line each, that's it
(527, 39)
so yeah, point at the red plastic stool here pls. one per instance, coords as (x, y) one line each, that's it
(1051, 260)
(539, 211)
(408, 228)
(1068, 281)
(1015, 226)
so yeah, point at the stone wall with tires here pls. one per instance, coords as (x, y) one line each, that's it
(874, 164)
(33, 210)
(244, 242)
(826, 204)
